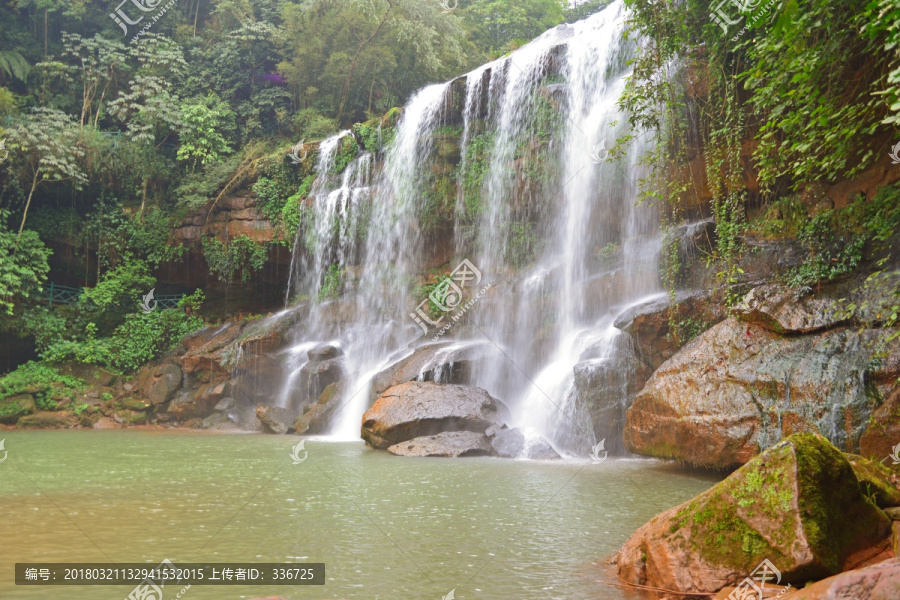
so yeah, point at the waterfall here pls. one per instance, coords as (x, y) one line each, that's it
(537, 211)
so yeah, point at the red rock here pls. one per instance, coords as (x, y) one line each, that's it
(880, 581)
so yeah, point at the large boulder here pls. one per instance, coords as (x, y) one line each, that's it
(276, 419)
(46, 420)
(875, 480)
(422, 408)
(798, 505)
(740, 388)
(880, 581)
(508, 443)
(442, 362)
(158, 383)
(449, 444)
(883, 434)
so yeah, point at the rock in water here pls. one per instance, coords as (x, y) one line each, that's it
(798, 505)
(450, 444)
(508, 443)
(275, 419)
(422, 408)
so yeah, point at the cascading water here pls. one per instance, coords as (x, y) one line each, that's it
(536, 209)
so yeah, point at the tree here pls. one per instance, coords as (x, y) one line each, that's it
(46, 148)
(203, 121)
(495, 24)
(22, 271)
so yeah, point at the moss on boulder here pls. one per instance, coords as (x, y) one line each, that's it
(798, 505)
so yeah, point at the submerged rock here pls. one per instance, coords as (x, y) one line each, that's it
(418, 409)
(798, 505)
(739, 388)
(450, 444)
(276, 419)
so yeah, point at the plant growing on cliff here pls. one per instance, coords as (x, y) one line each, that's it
(240, 256)
(22, 272)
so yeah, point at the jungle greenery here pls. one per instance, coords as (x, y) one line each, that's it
(111, 138)
(797, 96)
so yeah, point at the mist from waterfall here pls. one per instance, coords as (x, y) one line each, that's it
(563, 255)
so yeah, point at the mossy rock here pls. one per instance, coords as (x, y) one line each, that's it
(132, 417)
(44, 420)
(134, 404)
(875, 480)
(15, 407)
(798, 504)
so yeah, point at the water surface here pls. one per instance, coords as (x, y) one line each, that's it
(386, 527)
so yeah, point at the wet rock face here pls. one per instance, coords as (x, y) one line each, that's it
(317, 417)
(648, 323)
(740, 388)
(449, 444)
(798, 505)
(883, 434)
(420, 409)
(508, 443)
(445, 362)
(787, 311)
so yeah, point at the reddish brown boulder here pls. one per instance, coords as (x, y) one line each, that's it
(797, 505)
(883, 434)
(739, 388)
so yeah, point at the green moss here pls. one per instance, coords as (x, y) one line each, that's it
(346, 152)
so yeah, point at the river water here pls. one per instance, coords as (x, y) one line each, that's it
(386, 527)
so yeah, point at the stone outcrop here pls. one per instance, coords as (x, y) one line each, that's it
(317, 417)
(788, 311)
(882, 438)
(441, 362)
(741, 387)
(880, 581)
(276, 419)
(449, 444)
(419, 409)
(799, 505)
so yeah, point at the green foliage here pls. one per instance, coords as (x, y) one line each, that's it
(22, 270)
(39, 379)
(145, 336)
(204, 122)
(121, 288)
(240, 256)
(331, 285)
(346, 152)
(502, 26)
(522, 243)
